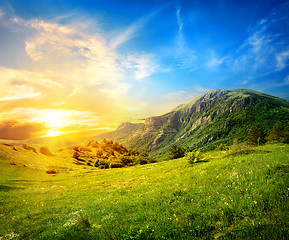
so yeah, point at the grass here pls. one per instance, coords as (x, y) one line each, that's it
(227, 196)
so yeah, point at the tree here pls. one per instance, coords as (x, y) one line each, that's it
(176, 152)
(276, 133)
(286, 134)
(256, 135)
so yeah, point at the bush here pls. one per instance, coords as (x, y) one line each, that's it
(193, 157)
(222, 147)
(176, 152)
(45, 151)
(76, 155)
(25, 146)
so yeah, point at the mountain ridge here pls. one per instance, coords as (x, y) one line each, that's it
(215, 117)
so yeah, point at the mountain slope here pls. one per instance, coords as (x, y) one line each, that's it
(215, 117)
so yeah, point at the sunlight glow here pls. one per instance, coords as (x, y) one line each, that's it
(55, 119)
(53, 133)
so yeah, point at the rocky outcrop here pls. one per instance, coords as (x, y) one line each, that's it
(203, 120)
(155, 121)
(160, 137)
(239, 104)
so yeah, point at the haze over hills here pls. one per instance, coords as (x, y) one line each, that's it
(215, 117)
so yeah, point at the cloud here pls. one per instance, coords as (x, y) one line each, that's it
(142, 66)
(19, 92)
(15, 130)
(282, 59)
(72, 58)
(215, 61)
(130, 32)
(185, 56)
(179, 19)
(285, 82)
(180, 96)
(266, 49)
(1, 13)
(65, 117)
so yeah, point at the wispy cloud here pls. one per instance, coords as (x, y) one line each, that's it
(20, 92)
(215, 61)
(130, 32)
(184, 55)
(282, 59)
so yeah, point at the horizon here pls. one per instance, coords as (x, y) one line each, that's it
(72, 68)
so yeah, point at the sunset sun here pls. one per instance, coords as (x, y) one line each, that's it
(55, 119)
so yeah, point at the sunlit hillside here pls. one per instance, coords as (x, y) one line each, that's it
(239, 194)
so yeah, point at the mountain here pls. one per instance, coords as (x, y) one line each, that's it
(214, 118)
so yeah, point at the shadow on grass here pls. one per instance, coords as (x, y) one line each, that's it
(7, 188)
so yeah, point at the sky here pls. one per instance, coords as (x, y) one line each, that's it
(70, 67)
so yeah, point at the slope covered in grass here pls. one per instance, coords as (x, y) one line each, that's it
(240, 195)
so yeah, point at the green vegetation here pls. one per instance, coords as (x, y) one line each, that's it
(235, 194)
(223, 181)
(107, 154)
(213, 119)
(176, 152)
(256, 135)
(193, 157)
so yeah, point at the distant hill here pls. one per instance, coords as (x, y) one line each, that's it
(215, 117)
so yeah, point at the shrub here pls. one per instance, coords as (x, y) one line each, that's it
(193, 157)
(25, 146)
(45, 151)
(76, 155)
(222, 147)
(52, 171)
(176, 152)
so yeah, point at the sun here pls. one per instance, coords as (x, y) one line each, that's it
(53, 133)
(55, 119)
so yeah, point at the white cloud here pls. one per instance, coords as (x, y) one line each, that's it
(185, 56)
(20, 92)
(215, 61)
(180, 96)
(282, 59)
(130, 32)
(142, 66)
(179, 19)
(285, 82)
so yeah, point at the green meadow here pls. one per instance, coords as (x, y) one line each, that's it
(241, 194)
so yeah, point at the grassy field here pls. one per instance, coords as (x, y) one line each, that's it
(228, 195)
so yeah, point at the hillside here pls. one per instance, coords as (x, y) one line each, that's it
(216, 117)
(227, 195)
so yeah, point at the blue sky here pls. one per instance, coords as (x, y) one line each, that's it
(112, 61)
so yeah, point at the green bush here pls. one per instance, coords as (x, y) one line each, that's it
(193, 157)
(176, 152)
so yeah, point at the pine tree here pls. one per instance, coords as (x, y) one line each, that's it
(277, 132)
(256, 135)
(286, 134)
